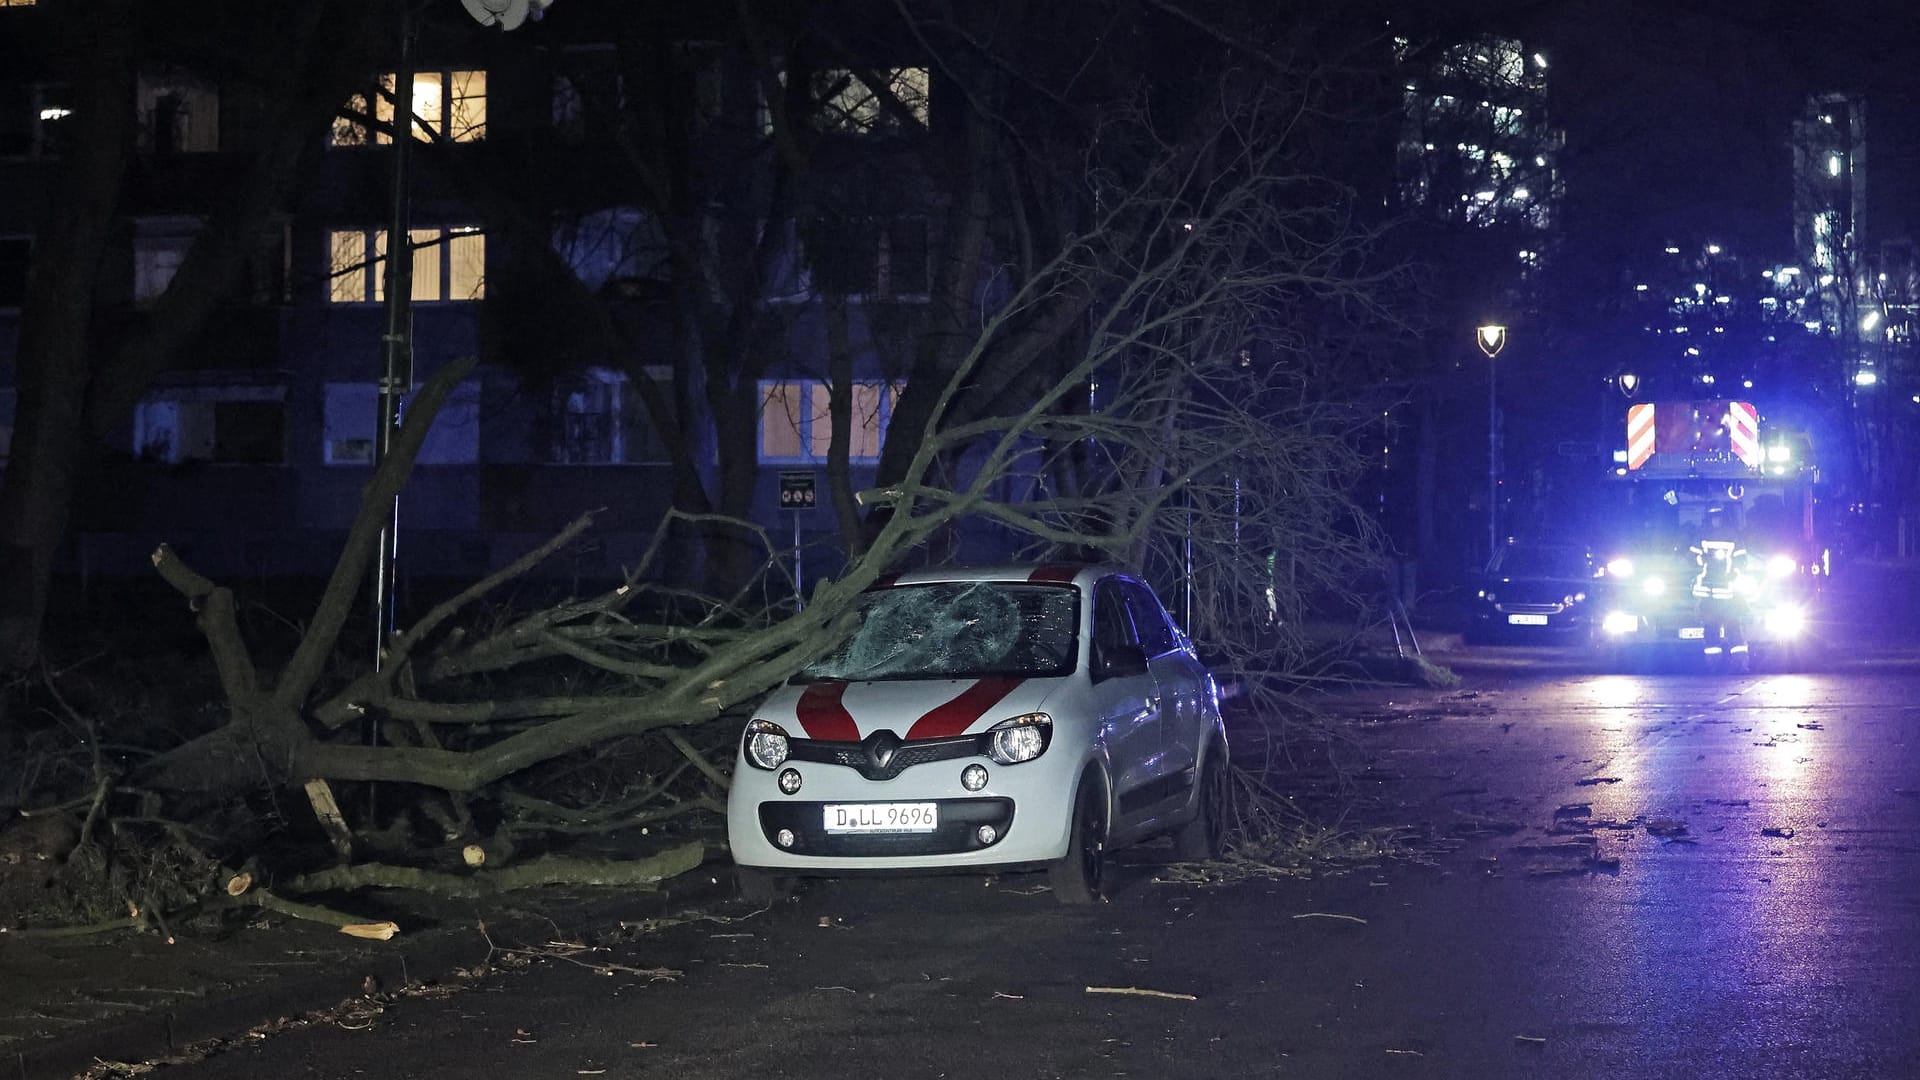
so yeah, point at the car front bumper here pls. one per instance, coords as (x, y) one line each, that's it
(1026, 805)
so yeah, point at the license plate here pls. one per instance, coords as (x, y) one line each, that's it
(882, 817)
(1527, 620)
(1693, 633)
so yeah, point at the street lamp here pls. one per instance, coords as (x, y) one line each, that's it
(1492, 338)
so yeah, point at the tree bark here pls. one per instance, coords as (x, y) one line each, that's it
(55, 350)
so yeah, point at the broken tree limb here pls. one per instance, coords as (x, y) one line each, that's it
(341, 708)
(548, 870)
(698, 759)
(1135, 991)
(216, 619)
(320, 797)
(376, 507)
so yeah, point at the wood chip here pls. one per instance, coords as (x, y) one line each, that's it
(375, 931)
(1135, 991)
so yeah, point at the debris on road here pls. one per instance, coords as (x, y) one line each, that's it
(1530, 1040)
(1135, 991)
(1331, 915)
(1666, 827)
(1781, 831)
(1592, 780)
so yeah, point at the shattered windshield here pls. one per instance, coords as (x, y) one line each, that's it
(957, 629)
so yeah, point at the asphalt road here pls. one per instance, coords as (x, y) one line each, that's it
(1656, 876)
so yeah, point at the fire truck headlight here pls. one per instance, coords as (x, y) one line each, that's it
(1781, 566)
(1786, 622)
(1620, 567)
(1654, 586)
(1620, 622)
(1745, 585)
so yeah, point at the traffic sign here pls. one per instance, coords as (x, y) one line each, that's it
(797, 491)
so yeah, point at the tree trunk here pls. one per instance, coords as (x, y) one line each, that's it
(55, 354)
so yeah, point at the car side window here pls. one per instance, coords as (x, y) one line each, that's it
(1149, 619)
(1111, 626)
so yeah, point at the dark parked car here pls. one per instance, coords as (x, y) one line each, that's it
(1535, 592)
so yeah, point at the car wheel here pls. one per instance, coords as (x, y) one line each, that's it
(1077, 876)
(1200, 839)
(761, 887)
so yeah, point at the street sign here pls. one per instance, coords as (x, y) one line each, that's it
(797, 491)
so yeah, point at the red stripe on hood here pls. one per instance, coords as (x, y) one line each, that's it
(959, 714)
(822, 716)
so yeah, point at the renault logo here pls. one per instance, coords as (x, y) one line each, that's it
(881, 746)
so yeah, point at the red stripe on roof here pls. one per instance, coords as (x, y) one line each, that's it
(1053, 574)
(822, 716)
(958, 715)
(884, 581)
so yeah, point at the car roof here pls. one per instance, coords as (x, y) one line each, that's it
(1054, 573)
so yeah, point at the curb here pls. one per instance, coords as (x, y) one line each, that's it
(167, 1031)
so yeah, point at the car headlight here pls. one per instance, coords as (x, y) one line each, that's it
(1786, 622)
(1620, 622)
(1620, 567)
(1654, 586)
(1021, 738)
(1745, 585)
(1781, 566)
(766, 744)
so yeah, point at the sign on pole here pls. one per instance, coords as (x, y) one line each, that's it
(797, 491)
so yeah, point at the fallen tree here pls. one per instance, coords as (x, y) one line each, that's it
(1174, 406)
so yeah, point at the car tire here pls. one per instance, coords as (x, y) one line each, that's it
(1200, 839)
(757, 886)
(1076, 877)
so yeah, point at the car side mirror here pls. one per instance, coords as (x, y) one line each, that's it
(1119, 660)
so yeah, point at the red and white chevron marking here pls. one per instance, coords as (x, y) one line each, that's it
(1639, 434)
(1743, 422)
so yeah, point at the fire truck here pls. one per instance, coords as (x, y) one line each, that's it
(1711, 545)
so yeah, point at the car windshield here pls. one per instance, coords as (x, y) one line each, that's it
(1543, 562)
(957, 629)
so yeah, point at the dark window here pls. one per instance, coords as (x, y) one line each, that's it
(15, 254)
(1149, 619)
(1111, 626)
(249, 432)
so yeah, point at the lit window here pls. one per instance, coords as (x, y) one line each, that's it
(450, 105)
(796, 421)
(1833, 165)
(241, 425)
(351, 416)
(847, 104)
(448, 264)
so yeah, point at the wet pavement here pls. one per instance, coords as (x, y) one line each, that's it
(1700, 876)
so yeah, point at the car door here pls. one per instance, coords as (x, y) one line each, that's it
(1126, 699)
(1181, 683)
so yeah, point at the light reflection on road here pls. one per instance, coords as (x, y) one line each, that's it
(1725, 923)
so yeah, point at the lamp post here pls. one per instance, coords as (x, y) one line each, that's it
(1492, 338)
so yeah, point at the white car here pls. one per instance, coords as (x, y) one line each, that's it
(985, 719)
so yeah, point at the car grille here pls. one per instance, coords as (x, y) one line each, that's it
(960, 821)
(1530, 609)
(883, 756)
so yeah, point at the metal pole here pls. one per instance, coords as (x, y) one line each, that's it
(1493, 466)
(799, 593)
(396, 339)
